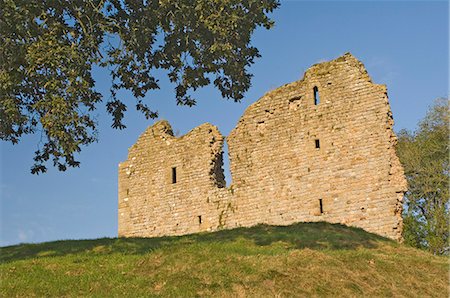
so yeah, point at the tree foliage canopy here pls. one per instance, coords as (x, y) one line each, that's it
(50, 47)
(425, 157)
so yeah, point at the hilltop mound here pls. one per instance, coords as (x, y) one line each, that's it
(305, 259)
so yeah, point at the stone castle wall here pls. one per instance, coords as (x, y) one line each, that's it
(319, 149)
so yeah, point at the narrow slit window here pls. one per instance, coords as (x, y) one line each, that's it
(317, 144)
(321, 206)
(199, 219)
(316, 95)
(174, 175)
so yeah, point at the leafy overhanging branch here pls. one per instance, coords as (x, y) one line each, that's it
(49, 48)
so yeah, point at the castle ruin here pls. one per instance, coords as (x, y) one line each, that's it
(319, 149)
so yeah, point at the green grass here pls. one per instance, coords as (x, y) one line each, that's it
(305, 259)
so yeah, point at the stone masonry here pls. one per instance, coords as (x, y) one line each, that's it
(319, 149)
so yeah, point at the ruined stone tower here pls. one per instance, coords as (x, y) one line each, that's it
(319, 149)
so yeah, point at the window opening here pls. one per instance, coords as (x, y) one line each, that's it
(199, 219)
(321, 206)
(317, 144)
(316, 95)
(174, 175)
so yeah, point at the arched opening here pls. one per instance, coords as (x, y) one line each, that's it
(316, 96)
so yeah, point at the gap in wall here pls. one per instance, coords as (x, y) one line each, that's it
(226, 164)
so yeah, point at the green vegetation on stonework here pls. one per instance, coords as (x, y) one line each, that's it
(305, 259)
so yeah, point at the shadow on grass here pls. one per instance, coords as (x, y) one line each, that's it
(316, 236)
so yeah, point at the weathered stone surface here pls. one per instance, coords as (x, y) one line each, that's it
(279, 176)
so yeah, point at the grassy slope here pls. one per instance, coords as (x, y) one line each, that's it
(307, 259)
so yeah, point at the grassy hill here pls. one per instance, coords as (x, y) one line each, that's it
(306, 259)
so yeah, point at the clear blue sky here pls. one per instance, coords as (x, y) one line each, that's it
(403, 44)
